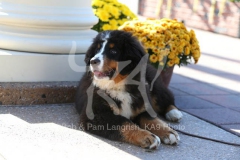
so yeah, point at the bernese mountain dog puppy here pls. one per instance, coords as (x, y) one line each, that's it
(115, 99)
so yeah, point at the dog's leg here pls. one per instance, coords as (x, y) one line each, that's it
(173, 114)
(162, 97)
(158, 127)
(119, 128)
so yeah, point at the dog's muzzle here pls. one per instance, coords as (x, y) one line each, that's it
(95, 68)
(94, 61)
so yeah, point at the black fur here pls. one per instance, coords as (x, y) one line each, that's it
(128, 48)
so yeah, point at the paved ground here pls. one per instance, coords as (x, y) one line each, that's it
(50, 132)
(209, 90)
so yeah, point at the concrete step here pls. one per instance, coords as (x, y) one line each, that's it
(30, 93)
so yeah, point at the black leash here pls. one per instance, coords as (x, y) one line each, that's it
(206, 138)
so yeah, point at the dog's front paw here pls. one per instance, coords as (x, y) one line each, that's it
(170, 137)
(150, 141)
(142, 138)
(174, 115)
(131, 133)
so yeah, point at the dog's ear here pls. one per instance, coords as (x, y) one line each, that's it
(133, 51)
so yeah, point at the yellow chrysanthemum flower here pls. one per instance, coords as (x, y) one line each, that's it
(186, 37)
(176, 60)
(180, 49)
(107, 7)
(112, 1)
(165, 52)
(167, 39)
(161, 45)
(173, 48)
(192, 34)
(107, 10)
(196, 55)
(104, 16)
(176, 31)
(194, 45)
(115, 12)
(154, 43)
(153, 58)
(173, 36)
(97, 3)
(171, 63)
(143, 39)
(155, 50)
(187, 50)
(106, 27)
(113, 22)
(171, 55)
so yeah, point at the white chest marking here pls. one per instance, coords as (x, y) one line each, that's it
(117, 91)
(126, 102)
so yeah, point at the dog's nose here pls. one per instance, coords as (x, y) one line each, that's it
(94, 61)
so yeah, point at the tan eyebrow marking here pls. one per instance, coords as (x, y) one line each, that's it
(111, 45)
(98, 46)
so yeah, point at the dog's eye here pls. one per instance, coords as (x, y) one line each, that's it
(98, 49)
(99, 45)
(112, 51)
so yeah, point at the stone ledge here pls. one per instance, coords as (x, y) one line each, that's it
(30, 93)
